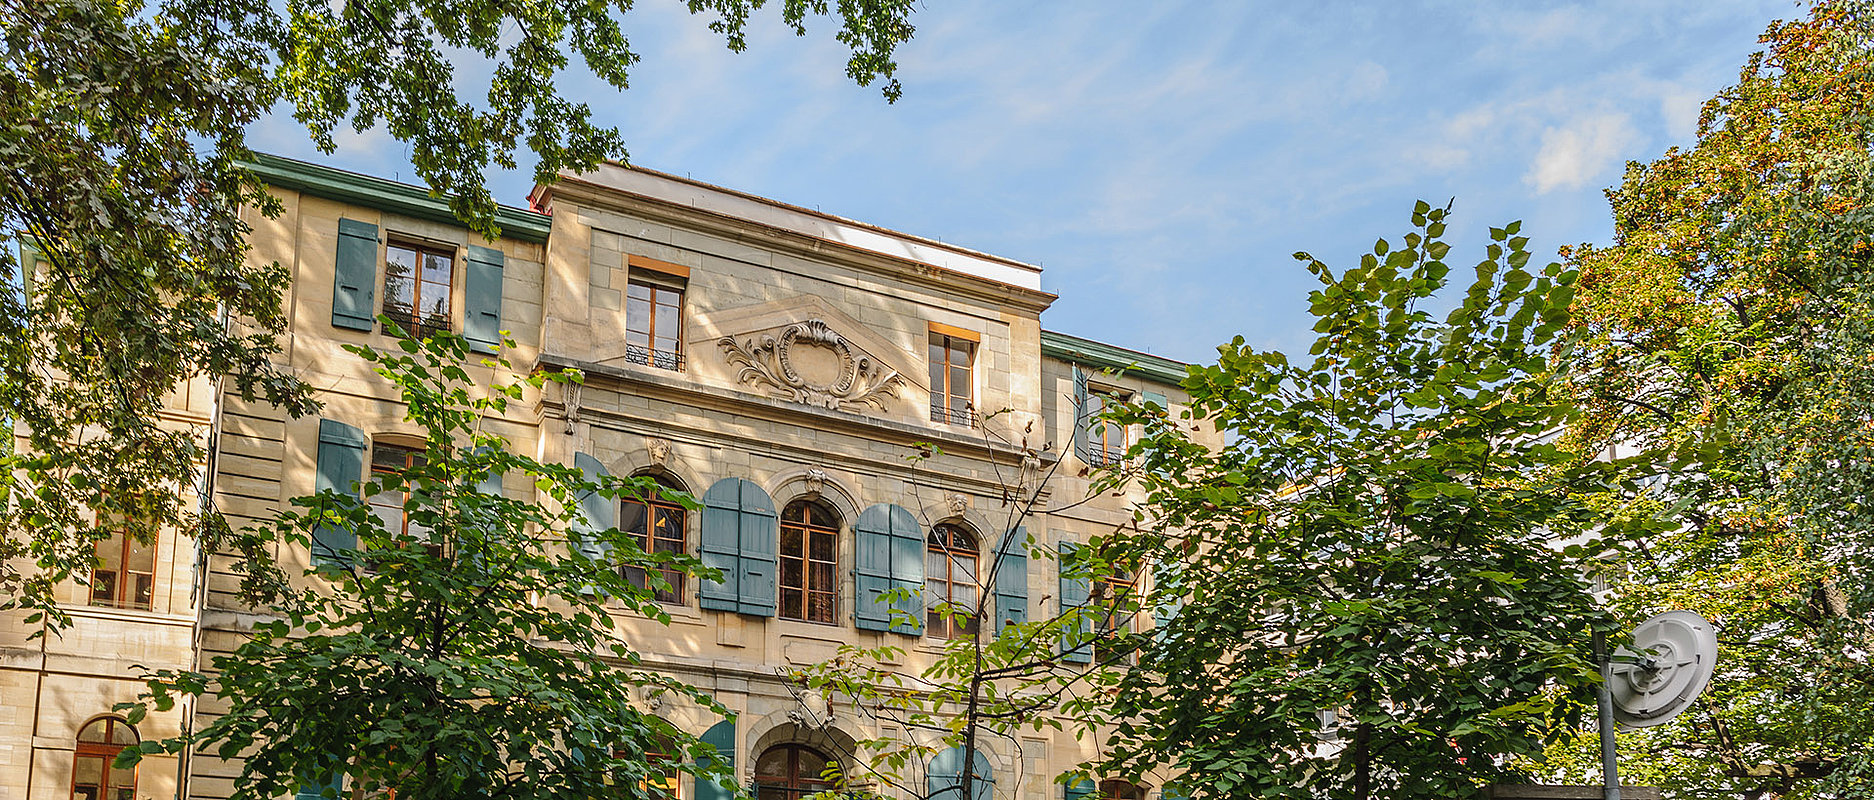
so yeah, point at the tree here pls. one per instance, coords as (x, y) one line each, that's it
(1366, 593)
(123, 135)
(467, 653)
(1727, 327)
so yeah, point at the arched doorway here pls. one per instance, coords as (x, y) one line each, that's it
(792, 771)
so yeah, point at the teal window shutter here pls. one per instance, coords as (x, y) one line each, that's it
(1012, 580)
(889, 546)
(1076, 641)
(341, 466)
(354, 277)
(1083, 418)
(329, 787)
(600, 512)
(739, 539)
(481, 317)
(722, 737)
(1167, 600)
(944, 778)
(1154, 397)
(1078, 787)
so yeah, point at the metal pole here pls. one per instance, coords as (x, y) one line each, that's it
(1610, 769)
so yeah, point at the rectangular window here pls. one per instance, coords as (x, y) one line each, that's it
(654, 322)
(952, 379)
(125, 576)
(809, 568)
(1112, 594)
(1106, 441)
(417, 282)
(388, 506)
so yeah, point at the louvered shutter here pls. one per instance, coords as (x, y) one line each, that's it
(341, 465)
(481, 291)
(739, 539)
(722, 737)
(1076, 640)
(1012, 580)
(890, 550)
(317, 788)
(354, 276)
(944, 778)
(1083, 422)
(1154, 397)
(1167, 600)
(1077, 788)
(600, 512)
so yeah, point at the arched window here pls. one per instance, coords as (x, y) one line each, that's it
(792, 771)
(1120, 790)
(950, 577)
(809, 564)
(93, 777)
(659, 526)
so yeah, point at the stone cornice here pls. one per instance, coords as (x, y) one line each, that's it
(794, 243)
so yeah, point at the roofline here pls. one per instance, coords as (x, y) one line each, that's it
(383, 194)
(1030, 279)
(1106, 356)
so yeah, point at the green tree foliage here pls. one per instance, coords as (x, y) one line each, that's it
(470, 653)
(1729, 326)
(122, 134)
(1377, 540)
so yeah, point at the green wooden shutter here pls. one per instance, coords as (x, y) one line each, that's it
(1012, 580)
(722, 737)
(341, 465)
(739, 539)
(1154, 397)
(889, 547)
(760, 539)
(354, 277)
(944, 777)
(600, 512)
(481, 290)
(1167, 599)
(1076, 640)
(316, 788)
(1077, 788)
(1083, 422)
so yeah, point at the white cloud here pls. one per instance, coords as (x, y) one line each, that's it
(1577, 152)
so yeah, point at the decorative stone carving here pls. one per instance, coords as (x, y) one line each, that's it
(816, 481)
(958, 504)
(809, 362)
(652, 698)
(572, 392)
(814, 711)
(658, 450)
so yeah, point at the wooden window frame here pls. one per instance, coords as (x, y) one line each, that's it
(795, 784)
(944, 407)
(656, 285)
(412, 456)
(410, 323)
(942, 589)
(807, 589)
(120, 594)
(1107, 592)
(648, 538)
(1101, 433)
(106, 750)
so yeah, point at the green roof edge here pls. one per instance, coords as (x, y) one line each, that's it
(387, 195)
(1106, 356)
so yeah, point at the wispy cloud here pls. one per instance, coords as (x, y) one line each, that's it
(1581, 151)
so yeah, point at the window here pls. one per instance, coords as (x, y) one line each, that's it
(416, 287)
(658, 525)
(654, 323)
(791, 772)
(950, 577)
(388, 506)
(1106, 441)
(952, 361)
(93, 777)
(809, 575)
(1120, 790)
(1112, 593)
(125, 576)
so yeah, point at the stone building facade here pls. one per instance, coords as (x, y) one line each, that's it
(781, 364)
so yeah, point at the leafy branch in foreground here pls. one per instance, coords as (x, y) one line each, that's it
(463, 648)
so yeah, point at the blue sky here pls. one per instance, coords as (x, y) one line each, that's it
(1162, 160)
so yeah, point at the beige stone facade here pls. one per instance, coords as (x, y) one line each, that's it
(805, 344)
